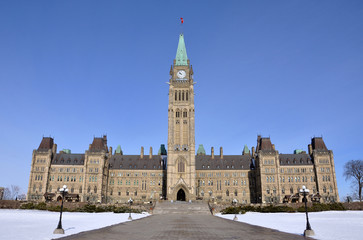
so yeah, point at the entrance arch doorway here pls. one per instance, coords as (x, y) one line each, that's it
(180, 196)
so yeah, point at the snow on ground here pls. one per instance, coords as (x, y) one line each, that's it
(330, 225)
(39, 225)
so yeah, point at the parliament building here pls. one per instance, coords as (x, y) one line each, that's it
(180, 171)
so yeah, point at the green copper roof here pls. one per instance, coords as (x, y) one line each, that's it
(181, 58)
(118, 150)
(298, 151)
(246, 150)
(162, 150)
(67, 151)
(200, 150)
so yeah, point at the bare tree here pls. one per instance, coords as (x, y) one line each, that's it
(11, 193)
(7, 194)
(354, 170)
(14, 191)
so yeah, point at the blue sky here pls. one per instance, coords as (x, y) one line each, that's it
(73, 70)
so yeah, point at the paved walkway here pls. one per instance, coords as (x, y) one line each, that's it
(171, 226)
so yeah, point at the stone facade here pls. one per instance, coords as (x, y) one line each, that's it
(259, 175)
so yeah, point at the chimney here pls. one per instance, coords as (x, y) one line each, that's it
(54, 150)
(151, 153)
(110, 151)
(142, 152)
(310, 149)
(253, 151)
(273, 147)
(221, 152)
(212, 152)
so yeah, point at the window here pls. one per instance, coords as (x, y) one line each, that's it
(177, 114)
(227, 193)
(185, 114)
(181, 166)
(89, 189)
(80, 189)
(95, 189)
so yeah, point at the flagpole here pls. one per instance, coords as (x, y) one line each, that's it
(181, 25)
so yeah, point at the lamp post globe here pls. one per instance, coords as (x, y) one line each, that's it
(234, 202)
(308, 231)
(63, 191)
(130, 201)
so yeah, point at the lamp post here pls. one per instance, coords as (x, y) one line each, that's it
(130, 202)
(308, 231)
(59, 229)
(234, 203)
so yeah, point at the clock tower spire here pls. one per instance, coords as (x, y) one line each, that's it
(181, 133)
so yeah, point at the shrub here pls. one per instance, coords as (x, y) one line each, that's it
(88, 208)
(29, 205)
(233, 210)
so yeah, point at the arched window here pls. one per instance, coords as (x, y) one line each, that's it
(72, 190)
(179, 95)
(89, 189)
(176, 95)
(227, 193)
(95, 189)
(186, 95)
(183, 96)
(331, 189)
(235, 193)
(80, 189)
(291, 190)
(181, 166)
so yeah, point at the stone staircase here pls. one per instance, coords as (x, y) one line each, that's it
(177, 207)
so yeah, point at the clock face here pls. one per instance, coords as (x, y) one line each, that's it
(181, 74)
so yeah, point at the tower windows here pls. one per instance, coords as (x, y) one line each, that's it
(186, 95)
(179, 95)
(176, 95)
(181, 166)
(183, 96)
(185, 114)
(177, 114)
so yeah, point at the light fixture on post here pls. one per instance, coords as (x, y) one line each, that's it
(308, 231)
(130, 201)
(234, 203)
(59, 230)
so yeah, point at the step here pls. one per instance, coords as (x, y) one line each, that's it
(168, 207)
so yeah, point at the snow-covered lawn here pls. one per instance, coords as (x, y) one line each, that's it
(326, 225)
(39, 225)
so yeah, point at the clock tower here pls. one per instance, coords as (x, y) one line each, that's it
(181, 133)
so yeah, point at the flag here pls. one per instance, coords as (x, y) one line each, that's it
(182, 20)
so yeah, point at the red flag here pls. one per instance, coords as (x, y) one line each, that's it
(182, 20)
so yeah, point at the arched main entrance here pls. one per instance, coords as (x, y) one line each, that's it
(180, 196)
